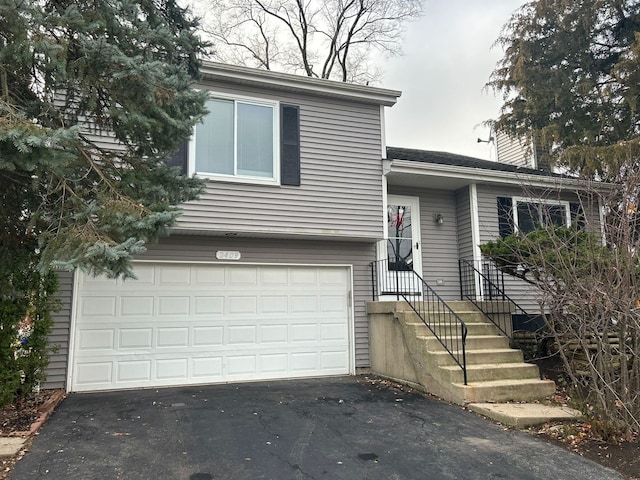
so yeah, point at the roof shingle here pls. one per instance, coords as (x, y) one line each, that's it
(445, 158)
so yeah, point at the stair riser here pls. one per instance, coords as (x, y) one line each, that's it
(520, 393)
(475, 329)
(473, 343)
(478, 358)
(472, 317)
(466, 317)
(455, 305)
(472, 329)
(472, 321)
(523, 372)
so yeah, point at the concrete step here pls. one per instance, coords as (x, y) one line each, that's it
(461, 305)
(495, 372)
(475, 342)
(481, 329)
(10, 446)
(490, 371)
(478, 357)
(475, 328)
(455, 305)
(504, 390)
(443, 316)
(472, 316)
(523, 415)
(403, 307)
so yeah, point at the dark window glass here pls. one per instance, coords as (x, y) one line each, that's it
(528, 217)
(555, 215)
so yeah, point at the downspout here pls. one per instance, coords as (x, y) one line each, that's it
(381, 247)
(475, 234)
(386, 168)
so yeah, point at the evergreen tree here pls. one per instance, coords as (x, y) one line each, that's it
(570, 78)
(71, 72)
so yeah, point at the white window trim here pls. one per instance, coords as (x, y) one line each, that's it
(542, 201)
(275, 180)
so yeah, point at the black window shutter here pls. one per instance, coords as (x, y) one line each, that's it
(289, 145)
(505, 216)
(180, 158)
(577, 215)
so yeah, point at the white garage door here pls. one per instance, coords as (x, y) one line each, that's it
(181, 324)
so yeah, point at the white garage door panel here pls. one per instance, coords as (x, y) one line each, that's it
(185, 324)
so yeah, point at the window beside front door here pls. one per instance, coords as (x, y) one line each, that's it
(530, 215)
(520, 214)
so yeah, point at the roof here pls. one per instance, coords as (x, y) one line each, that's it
(298, 83)
(445, 158)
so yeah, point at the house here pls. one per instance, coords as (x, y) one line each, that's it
(449, 330)
(463, 202)
(269, 273)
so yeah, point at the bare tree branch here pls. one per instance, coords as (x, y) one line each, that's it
(333, 39)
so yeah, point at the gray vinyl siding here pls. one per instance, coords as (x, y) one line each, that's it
(513, 151)
(518, 290)
(100, 138)
(56, 372)
(439, 243)
(340, 195)
(463, 217)
(91, 131)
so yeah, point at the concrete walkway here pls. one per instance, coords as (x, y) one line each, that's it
(522, 415)
(336, 428)
(10, 446)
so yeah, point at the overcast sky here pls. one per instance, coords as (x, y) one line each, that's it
(448, 57)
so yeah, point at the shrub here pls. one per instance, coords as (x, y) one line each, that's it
(27, 300)
(591, 295)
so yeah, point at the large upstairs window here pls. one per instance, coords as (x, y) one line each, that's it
(244, 140)
(238, 139)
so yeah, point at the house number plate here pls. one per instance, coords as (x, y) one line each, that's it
(227, 255)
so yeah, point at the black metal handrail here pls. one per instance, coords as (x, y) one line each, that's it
(445, 324)
(493, 299)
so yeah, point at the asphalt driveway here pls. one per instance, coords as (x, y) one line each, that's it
(337, 428)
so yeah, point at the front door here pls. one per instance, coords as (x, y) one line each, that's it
(402, 246)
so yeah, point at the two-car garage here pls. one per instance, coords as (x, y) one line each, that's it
(194, 323)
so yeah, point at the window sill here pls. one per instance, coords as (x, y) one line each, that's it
(233, 179)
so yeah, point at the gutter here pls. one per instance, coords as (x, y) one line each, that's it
(481, 175)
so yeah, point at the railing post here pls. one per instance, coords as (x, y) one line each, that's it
(460, 278)
(373, 281)
(464, 353)
(397, 281)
